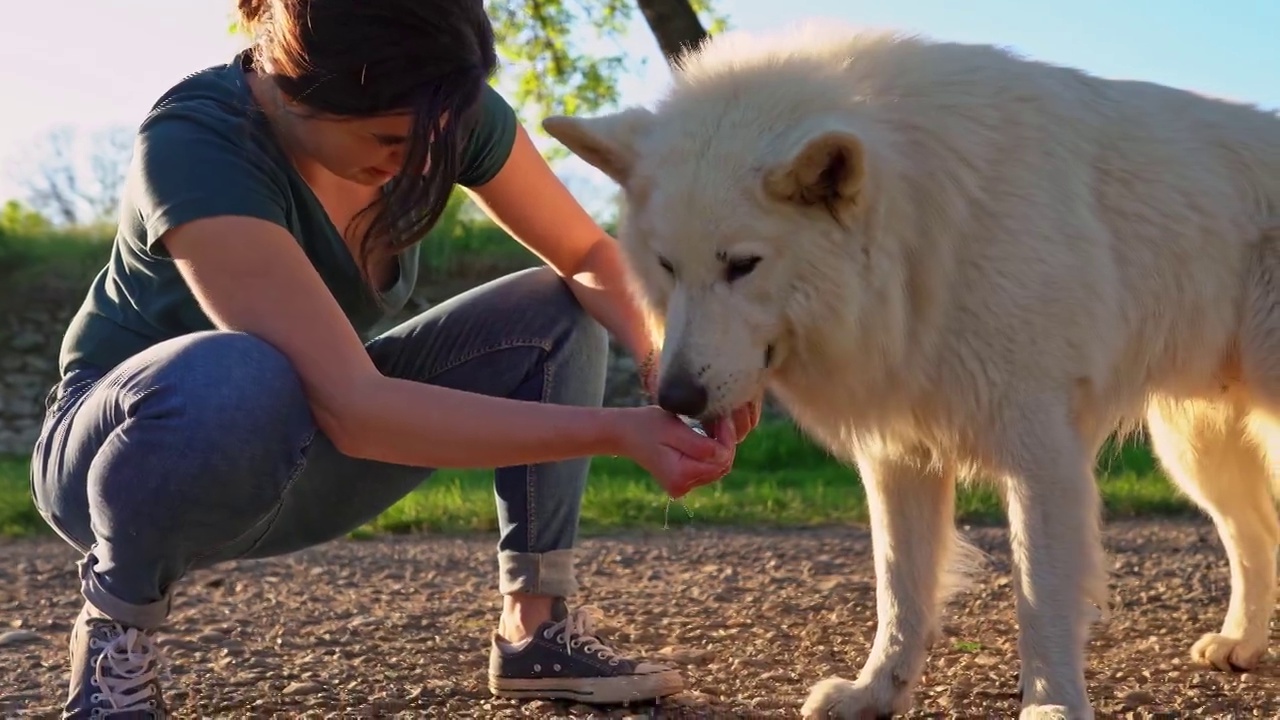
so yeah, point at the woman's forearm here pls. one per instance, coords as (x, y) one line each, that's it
(600, 284)
(463, 430)
(411, 423)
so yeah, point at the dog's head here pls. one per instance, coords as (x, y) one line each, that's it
(737, 230)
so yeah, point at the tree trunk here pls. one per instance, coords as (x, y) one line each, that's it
(674, 23)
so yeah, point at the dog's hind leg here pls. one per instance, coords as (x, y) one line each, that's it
(1224, 455)
(1210, 452)
(911, 503)
(1054, 516)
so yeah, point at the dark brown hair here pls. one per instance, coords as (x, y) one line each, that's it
(361, 58)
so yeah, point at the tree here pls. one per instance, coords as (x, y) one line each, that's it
(675, 24)
(19, 220)
(69, 192)
(541, 39)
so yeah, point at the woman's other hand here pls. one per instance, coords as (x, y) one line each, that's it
(679, 457)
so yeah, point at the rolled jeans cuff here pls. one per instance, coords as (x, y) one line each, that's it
(147, 617)
(549, 573)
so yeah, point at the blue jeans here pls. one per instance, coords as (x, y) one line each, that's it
(202, 449)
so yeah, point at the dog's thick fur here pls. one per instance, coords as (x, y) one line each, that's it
(970, 264)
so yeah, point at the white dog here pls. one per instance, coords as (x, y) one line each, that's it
(948, 262)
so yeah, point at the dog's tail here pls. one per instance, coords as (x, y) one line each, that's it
(965, 564)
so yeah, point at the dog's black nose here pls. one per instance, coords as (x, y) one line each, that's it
(682, 394)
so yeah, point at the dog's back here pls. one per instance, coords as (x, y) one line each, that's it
(1110, 220)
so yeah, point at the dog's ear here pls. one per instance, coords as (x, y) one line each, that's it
(826, 167)
(607, 142)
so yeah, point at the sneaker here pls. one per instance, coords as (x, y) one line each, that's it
(113, 671)
(566, 660)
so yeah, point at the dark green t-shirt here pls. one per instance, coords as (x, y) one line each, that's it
(205, 149)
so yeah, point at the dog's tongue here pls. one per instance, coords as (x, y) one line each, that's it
(721, 427)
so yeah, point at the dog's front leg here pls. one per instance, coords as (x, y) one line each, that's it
(911, 503)
(1053, 509)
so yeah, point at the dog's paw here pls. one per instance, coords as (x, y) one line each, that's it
(1227, 653)
(838, 699)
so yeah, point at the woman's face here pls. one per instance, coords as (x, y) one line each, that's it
(367, 151)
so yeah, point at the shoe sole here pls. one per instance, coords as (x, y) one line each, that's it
(599, 691)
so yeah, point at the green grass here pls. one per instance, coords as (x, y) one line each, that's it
(18, 517)
(462, 250)
(40, 257)
(779, 480)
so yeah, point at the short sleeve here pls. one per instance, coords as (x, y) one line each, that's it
(187, 167)
(490, 142)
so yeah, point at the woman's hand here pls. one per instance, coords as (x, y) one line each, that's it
(679, 458)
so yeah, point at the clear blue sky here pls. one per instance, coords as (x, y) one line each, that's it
(113, 57)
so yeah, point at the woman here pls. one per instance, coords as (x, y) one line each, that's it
(216, 400)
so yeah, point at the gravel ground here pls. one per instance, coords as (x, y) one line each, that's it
(398, 627)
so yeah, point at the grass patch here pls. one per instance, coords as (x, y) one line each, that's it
(465, 246)
(779, 480)
(464, 249)
(18, 517)
(66, 258)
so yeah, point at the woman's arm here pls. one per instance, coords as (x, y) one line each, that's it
(238, 267)
(216, 208)
(528, 201)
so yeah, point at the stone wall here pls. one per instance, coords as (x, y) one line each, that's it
(30, 335)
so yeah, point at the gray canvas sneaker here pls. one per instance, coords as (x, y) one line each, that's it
(113, 671)
(566, 660)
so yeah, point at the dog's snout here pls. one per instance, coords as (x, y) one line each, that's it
(681, 393)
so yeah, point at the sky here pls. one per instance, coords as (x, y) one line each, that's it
(113, 58)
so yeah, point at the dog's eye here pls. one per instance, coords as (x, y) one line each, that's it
(666, 265)
(739, 267)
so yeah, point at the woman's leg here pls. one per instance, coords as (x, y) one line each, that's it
(522, 336)
(174, 458)
(211, 430)
(526, 337)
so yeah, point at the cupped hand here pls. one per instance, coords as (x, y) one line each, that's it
(679, 458)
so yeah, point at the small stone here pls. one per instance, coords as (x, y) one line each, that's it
(233, 646)
(1135, 699)
(303, 688)
(17, 637)
(685, 655)
(175, 643)
(693, 697)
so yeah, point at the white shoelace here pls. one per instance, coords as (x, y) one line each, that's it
(577, 631)
(132, 660)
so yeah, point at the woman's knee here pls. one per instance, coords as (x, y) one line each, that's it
(228, 377)
(225, 405)
(187, 445)
(578, 328)
(238, 361)
(579, 356)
